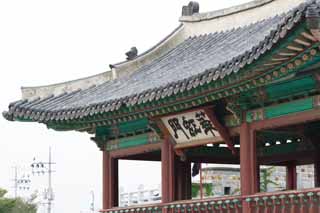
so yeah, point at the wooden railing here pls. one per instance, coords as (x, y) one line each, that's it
(304, 201)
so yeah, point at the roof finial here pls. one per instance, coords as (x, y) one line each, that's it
(190, 9)
(132, 53)
(313, 20)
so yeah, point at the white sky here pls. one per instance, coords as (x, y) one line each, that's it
(44, 42)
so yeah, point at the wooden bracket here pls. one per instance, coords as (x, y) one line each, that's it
(165, 134)
(99, 142)
(221, 129)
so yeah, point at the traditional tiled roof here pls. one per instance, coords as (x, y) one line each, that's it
(194, 61)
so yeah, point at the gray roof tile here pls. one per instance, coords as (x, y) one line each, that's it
(196, 61)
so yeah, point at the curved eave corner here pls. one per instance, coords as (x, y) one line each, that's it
(233, 66)
(118, 70)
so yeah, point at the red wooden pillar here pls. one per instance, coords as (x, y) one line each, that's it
(114, 182)
(180, 180)
(167, 171)
(317, 170)
(291, 176)
(105, 180)
(258, 178)
(188, 195)
(183, 180)
(248, 163)
(109, 181)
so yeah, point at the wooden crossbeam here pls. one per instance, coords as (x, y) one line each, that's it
(283, 121)
(124, 153)
(221, 129)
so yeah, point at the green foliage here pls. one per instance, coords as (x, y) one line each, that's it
(266, 175)
(195, 189)
(207, 187)
(2, 193)
(17, 205)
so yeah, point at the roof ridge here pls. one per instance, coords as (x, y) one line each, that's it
(196, 17)
(151, 48)
(103, 101)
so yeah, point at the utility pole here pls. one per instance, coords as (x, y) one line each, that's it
(92, 203)
(42, 168)
(22, 183)
(15, 181)
(50, 191)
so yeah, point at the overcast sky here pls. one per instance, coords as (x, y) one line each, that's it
(44, 42)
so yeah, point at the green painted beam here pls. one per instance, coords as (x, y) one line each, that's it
(133, 126)
(133, 141)
(288, 88)
(288, 108)
(124, 128)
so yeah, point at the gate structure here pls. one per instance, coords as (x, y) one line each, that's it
(244, 79)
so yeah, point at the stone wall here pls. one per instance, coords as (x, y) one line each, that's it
(226, 180)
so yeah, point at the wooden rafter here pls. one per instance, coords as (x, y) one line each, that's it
(294, 48)
(309, 36)
(280, 59)
(302, 42)
(286, 54)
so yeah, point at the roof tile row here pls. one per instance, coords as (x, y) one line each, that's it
(196, 61)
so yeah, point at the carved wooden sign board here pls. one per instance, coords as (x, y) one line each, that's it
(190, 126)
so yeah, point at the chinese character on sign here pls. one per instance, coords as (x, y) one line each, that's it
(190, 126)
(175, 126)
(205, 124)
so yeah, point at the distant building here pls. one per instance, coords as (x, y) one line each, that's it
(141, 196)
(226, 180)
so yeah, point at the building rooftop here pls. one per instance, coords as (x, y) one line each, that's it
(205, 47)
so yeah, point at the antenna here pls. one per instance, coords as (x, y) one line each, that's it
(42, 168)
(92, 201)
(15, 181)
(22, 183)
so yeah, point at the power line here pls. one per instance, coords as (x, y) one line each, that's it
(20, 183)
(42, 168)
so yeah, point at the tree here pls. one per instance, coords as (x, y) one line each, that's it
(6, 204)
(17, 205)
(207, 188)
(266, 175)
